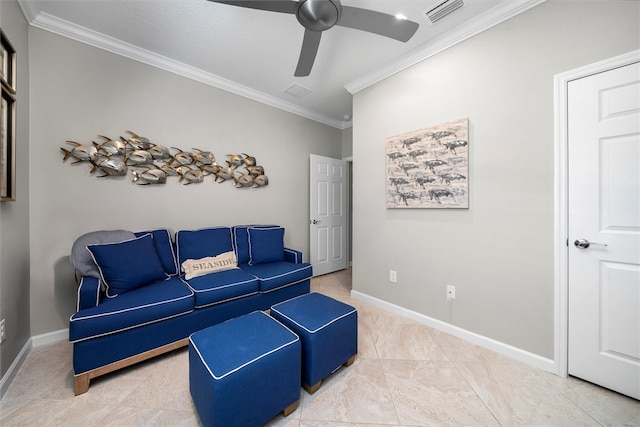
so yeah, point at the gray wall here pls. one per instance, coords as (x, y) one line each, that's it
(14, 216)
(347, 142)
(499, 252)
(79, 91)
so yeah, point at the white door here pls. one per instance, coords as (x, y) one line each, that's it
(328, 210)
(604, 229)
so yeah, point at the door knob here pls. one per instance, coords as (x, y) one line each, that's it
(584, 244)
(315, 221)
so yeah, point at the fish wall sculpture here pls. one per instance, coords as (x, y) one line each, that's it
(152, 164)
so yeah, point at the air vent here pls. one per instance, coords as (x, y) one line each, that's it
(443, 9)
(297, 91)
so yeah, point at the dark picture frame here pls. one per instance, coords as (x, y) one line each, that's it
(7, 120)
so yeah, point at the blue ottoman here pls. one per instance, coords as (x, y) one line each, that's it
(243, 372)
(328, 330)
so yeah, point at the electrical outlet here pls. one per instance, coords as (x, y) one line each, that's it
(451, 292)
(393, 276)
(3, 331)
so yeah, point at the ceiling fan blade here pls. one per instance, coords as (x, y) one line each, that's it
(284, 6)
(308, 52)
(378, 23)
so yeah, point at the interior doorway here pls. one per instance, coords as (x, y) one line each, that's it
(598, 165)
(328, 210)
(349, 161)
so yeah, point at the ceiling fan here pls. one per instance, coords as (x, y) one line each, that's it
(317, 16)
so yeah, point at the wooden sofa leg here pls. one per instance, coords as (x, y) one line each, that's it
(312, 388)
(81, 383)
(290, 409)
(350, 361)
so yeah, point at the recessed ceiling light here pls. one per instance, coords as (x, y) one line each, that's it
(401, 16)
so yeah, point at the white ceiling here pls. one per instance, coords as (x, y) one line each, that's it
(254, 53)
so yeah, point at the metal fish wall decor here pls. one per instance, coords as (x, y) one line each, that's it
(151, 164)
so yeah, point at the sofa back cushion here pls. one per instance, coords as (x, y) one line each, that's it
(203, 243)
(266, 245)
(128, 265)
(241, 241)
(164, 247)
(81, 258)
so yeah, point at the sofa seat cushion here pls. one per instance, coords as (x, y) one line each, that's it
(148, 304)
(275, 275)
(221, 286)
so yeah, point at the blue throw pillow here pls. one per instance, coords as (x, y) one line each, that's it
(128, 265)
(241, 240)
(164, 247)
(266, 245)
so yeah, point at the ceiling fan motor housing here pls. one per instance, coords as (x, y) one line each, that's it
(318, 15)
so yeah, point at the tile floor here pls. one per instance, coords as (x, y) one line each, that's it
(406, 374)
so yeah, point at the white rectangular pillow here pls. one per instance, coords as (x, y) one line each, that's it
(200, 267)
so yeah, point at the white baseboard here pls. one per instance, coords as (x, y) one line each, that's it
(488, 343)
(33, 342)
(11, 373)
(50, 337)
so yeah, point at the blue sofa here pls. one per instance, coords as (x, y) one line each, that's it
(135, 300)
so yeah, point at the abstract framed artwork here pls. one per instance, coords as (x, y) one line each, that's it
(429, 167)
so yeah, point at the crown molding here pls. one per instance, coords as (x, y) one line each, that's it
(47, 22)
(490, 18)
(27, 10)
(76, 32)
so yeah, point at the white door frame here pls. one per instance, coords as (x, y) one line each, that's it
(349, 162)
(333, 221)
(561, 218)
